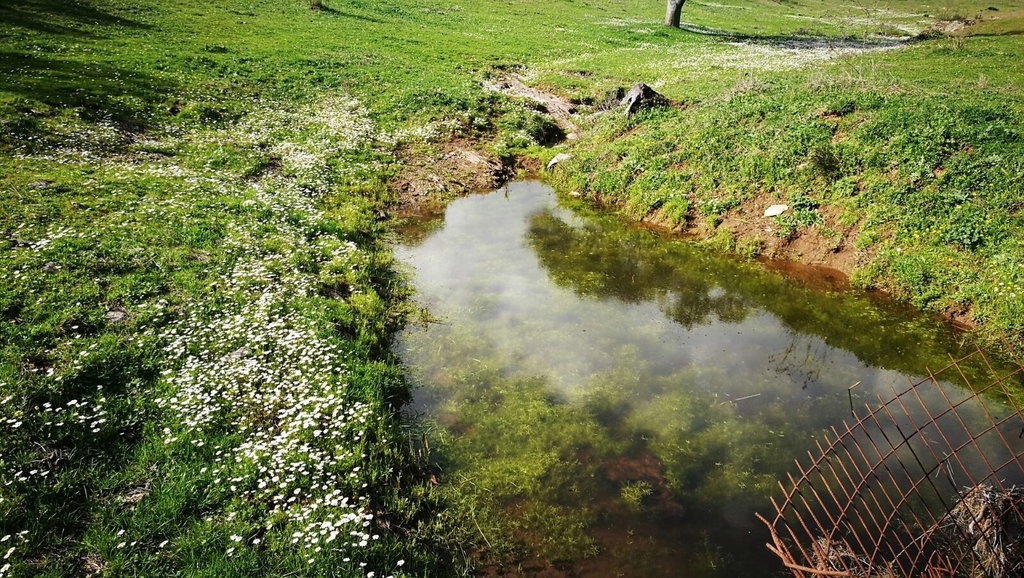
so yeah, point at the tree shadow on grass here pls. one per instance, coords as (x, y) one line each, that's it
(33, 80)
(71, 83)
(61, 18)
(803, 41)
(97, 89)
(324, 8)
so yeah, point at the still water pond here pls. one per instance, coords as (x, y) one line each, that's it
(608, 402)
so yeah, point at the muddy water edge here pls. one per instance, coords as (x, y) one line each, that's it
(604, 401)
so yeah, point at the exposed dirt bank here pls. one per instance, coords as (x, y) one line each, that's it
(560, 110)
(747, 230)
(433, 174)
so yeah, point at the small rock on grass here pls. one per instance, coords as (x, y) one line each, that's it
(641, 97)
(775, 210)
(114, 316)
(560, 157)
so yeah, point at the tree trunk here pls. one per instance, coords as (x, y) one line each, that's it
(672, 10)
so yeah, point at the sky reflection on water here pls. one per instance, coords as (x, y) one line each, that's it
(718, 372)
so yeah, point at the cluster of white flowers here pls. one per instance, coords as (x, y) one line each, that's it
(345, 120)
(431, 132)
(298, 159)
(164, 170)
(72, 140)
(261, 366)
(82, 412)
(676, 63)
(8, 548)
(622, 22)
(305, 138)
(904, 22)
(758, 57)
(252, 358)
(52, 235)
(74, 413)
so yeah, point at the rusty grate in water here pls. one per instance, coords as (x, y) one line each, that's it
(929, 483)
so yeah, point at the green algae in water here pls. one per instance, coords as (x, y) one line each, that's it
(614, 402)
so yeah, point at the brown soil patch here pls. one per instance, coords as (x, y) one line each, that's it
(658, 220)
(833, 259)
(960, 318)
(808, 246)
(93, 565)
(432, 174)
(809, 258)
(951, 27)
(531, 167)
(645, 468)
(435, 173)
(817, 277)
(134, 494)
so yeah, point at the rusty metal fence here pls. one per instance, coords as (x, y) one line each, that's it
(928, 483)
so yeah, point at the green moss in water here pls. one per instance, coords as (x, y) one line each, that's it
(633, 493)
(524, 466)
(600, 390)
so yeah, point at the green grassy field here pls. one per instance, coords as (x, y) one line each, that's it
(196, 295)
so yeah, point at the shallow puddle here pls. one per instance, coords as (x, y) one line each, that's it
(612, 403)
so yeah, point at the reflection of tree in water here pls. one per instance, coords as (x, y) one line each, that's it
(550, 466)
(627, 266)
(605, 260)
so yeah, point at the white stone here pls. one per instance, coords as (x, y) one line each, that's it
(775, 210)
(558, 158)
